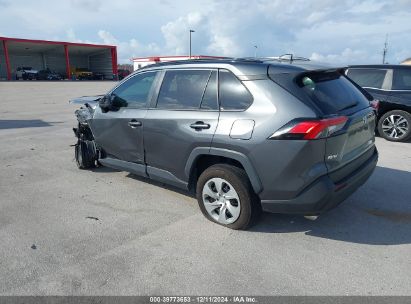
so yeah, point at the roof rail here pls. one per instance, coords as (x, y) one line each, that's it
(281, 58)
(291, 58)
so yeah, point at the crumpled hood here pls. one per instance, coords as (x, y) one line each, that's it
(90, 100)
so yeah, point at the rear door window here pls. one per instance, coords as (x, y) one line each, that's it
(183, 89)
(233, 95)
(402, 79)
(210, 97)
(369, 78)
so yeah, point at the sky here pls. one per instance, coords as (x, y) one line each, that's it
(332, 31)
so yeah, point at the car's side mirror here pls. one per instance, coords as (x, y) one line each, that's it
(111, 102)
(105, 103)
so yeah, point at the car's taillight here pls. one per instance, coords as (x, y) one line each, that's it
(375, 104)
(310, 129)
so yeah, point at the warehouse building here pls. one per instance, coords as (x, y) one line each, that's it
(140, 62)
(59, 57)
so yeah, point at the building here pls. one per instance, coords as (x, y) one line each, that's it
(57, 56)
(140, 62)
(406, 61)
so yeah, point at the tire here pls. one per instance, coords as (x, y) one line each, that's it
(85, 154)
(395, 126)
(234, 183)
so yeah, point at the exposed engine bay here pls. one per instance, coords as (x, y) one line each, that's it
(86, 153)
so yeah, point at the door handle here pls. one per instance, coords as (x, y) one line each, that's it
(199, 125)
(134, 123)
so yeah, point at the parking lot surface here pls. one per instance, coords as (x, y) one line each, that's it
(65, 231)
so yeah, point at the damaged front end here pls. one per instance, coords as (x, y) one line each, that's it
(86, 153)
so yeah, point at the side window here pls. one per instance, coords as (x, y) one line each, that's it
(371, 78)
(210, 97)
(135, 91)
(183, 89)
(402, 79)
(232, 93)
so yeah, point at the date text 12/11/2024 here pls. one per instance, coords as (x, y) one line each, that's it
(203, 299)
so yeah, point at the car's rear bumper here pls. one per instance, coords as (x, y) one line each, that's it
(323, 194)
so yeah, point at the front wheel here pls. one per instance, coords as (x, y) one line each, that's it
(85, 154)
(225, 196)
(395, 125)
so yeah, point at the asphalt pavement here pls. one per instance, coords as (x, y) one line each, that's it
(65, 231)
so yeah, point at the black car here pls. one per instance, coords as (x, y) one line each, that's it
(47, 74)
(391, 85)
(98, 76)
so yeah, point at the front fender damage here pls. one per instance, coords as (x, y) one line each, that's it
(86, 153)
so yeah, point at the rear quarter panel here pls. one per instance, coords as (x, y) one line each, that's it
(284, 167)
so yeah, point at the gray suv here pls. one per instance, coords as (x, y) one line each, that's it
(244, 135)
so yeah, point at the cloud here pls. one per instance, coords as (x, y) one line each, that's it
(334, 31)
(87, 5)
(128, 49)
(176, 33)
(347, 56)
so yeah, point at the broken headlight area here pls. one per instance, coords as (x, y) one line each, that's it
(83, 115)
(86, 153)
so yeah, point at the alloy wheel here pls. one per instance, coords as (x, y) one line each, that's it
(221, 201)
(395, 126)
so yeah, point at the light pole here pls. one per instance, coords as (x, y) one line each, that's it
(191, 31)
(255, 52)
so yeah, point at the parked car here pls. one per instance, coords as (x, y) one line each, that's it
(98, 76)
(26, 73)
(47, 74)
(391, 85)
(123, 74)
(244, 135)
(81, 73)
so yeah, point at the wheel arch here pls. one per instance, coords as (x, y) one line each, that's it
(393, 107)
(227, 156)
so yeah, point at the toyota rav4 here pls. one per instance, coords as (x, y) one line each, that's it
(244, 135)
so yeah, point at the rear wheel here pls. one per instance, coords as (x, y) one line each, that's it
(395, 125)
(225, 196)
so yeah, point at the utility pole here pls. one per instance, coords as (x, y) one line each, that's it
(255, 52)
(384, 53)
(191, 31)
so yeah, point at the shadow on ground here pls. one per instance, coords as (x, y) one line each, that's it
(379, 213)
(29, 123)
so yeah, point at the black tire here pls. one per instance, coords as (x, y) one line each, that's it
(85, 154)
(250, 205)
(384, 123)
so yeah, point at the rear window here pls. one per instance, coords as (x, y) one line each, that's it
(402, 79)
(232, 93)
(331, 92)
(370, 78)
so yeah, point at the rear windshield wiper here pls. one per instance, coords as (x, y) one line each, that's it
(351, 105)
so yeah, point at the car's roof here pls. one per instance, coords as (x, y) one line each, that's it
(381, 66)
(244, 66)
